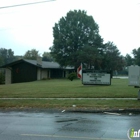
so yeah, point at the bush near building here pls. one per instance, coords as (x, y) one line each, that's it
(72, 76)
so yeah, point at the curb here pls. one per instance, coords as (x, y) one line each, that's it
(61, 110)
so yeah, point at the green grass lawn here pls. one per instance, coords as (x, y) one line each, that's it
(64, 88)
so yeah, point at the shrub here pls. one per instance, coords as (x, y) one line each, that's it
(72, 76)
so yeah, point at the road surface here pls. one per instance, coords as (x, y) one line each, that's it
(66, 126)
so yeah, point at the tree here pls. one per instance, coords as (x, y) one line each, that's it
(136, 54)
(6, 56)
(31, 54)
(73, 35)
(91, 56)
(113, 60)
(47, 57)
(128, 60)
(1, 61)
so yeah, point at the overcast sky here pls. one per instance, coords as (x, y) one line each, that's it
(26, 27)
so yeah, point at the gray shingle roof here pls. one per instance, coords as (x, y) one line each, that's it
(45, 64)
(50, 65)
(34, 62)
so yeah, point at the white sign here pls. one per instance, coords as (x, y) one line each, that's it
(96, 78)
(134, 75)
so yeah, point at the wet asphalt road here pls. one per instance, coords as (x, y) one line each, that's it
(66, 126)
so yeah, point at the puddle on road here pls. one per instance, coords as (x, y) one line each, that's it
(66, 120)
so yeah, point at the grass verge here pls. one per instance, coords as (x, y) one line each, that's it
(63, 104)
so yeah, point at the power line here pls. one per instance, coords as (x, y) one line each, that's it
(24, 4)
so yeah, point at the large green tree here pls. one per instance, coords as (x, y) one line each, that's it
(136, 54)
(112, 60)
(47, 57)
(76, 39)
(31, 54)
(129, 60)
(6, 56)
